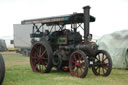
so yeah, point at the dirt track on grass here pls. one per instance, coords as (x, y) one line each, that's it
(16, 59)
(16, 63)
(10, 54)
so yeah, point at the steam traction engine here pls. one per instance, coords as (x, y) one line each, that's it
(60, 46)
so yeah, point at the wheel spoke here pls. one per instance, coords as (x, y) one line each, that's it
(40, 51)
(99, 56)
(80, 57)
(36, 51)
(96, 68)
(96, 58)
(105, 59)
(34, 57)
(43, 52)
(43, 58)
(107, 64)
(73, 66)
(74, 57)
(73, 62)
(81, 70)
(106, 68)
(35, 54)
(37, 61)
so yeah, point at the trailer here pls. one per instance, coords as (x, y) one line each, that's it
(22, 40)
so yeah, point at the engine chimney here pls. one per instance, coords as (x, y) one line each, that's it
(86, 22)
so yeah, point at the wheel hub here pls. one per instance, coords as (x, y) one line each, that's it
(40, 57)
(77, 64)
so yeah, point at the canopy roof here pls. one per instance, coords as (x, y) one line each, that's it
(66, 19)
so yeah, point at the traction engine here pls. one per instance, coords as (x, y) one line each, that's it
(56, 42)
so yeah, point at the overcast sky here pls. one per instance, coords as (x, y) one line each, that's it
(111, 15)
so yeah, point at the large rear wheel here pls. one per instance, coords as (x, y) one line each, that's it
(78, 64)
(102, 64)
(41, 57)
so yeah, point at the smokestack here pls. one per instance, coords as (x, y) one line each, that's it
(86, 22)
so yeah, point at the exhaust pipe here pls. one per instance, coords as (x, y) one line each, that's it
(86, 22)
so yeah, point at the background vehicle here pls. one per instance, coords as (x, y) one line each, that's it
(3, 46)
(2, 69)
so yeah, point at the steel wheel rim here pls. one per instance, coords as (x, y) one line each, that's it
(39, 58)
(77, 64)
(101, 64)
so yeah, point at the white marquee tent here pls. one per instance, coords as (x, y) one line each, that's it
(117, 46)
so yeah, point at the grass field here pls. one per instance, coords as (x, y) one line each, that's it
(18, 72)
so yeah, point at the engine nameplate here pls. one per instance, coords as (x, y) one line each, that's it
(62, 40)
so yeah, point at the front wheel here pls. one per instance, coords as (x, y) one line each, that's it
(78, 64)
(102, 63)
